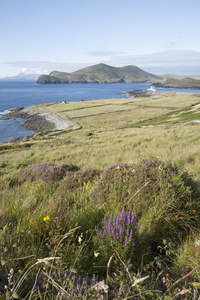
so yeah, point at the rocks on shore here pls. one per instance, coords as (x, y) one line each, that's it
(33, 120)
(141, 93)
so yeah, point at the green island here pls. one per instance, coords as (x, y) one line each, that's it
(102, 73)
(107, 210)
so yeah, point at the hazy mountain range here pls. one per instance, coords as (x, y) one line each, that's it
(22, 77)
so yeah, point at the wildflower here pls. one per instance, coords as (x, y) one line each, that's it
(133, 219)
(96, 254)
(176, 216)
(47, 218)
(80, 238)
(194, 211)
(138, 225)
(197, 243)
(122, 214)
(129, 261)
(104, 221)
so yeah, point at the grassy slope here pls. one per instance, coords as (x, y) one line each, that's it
(183, 83)
(100, 73)
(111, 133)
(112, 130)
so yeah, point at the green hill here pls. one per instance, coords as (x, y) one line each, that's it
(100, 73)
(184, 83)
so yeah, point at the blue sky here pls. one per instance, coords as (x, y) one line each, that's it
(44, 35)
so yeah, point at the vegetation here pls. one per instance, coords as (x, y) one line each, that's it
(183, 83)
(109, 211)
(100, 73)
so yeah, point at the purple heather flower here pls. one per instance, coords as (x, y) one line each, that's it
(117, 222)
(104, 221)
(122, 214)
(127, 232)
(131, 234)
(133, 219)
(120, 231)
(129, 216)
(113, 232)
(133, 243)
(126, 240)
(126, 218)
(114, 219)
(129, 261)
(138, 225)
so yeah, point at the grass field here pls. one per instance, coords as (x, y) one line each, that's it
(130, 157)
(118, 130)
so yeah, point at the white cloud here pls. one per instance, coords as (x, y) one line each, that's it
(180, 62)
(45, 67)
(174, 61)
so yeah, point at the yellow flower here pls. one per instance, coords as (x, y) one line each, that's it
(47, 218)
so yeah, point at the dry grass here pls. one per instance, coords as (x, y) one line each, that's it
(102, 140)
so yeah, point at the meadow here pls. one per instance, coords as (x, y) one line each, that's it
(108, 211)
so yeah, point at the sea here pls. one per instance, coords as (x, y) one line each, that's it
(24, 93)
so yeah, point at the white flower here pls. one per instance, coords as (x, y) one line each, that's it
(96, 254)
(197, 243)
(80, 238)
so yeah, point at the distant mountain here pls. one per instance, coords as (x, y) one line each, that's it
(184, 83)
(100, 73)
(23, 77)
(165, 76)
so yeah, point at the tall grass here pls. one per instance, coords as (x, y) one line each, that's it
(106, 212)
(125, 212)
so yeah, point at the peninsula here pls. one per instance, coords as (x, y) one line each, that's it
(100, 73)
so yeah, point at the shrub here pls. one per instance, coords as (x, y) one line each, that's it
(163, 196)
(48, 172)
(118, 234)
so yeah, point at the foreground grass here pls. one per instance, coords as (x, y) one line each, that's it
(51, 214)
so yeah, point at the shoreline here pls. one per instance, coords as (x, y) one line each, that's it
(37, 121)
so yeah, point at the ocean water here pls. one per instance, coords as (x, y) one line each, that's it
(20, 94)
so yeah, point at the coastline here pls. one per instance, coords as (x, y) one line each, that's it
(37, 121)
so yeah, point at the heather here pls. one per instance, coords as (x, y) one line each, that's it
(87, 220)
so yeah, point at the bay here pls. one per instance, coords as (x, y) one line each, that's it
(24, 93)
